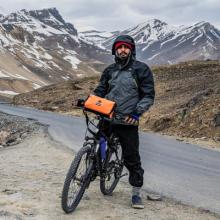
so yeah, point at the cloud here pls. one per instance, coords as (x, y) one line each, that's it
(2, 11)
(120, 14)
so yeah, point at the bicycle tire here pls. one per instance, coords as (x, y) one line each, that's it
(72, 176)
(108, 190)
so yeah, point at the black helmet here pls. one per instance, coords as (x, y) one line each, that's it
(127, 39)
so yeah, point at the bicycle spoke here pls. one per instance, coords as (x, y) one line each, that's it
(76, 180)
(113, 168)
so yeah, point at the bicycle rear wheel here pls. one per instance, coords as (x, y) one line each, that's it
(113, 166)
(77, 179)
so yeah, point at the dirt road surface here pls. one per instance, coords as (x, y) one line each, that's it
(32, 175)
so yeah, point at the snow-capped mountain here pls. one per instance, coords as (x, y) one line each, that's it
(96, 37)
(160, 43)
(42, 48)
(39, 47)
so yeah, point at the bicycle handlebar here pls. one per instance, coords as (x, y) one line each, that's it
(116, 119)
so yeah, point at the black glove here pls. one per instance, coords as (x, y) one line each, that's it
(79, 102)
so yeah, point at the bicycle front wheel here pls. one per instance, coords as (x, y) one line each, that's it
(77, 179)
(113, 166)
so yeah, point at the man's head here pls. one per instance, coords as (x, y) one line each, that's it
(122, 50)
(123, 46)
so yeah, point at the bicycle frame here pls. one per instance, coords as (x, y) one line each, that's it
(94, 163)
(94, 141)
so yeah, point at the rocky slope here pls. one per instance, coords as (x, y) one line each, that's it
(186, 105)
(188, 101)
(14, 129)
(38, 48)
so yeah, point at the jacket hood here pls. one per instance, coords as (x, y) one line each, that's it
(127, 39)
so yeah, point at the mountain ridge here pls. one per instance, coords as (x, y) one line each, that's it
(44, 45)
(160, 43)
(40, 47)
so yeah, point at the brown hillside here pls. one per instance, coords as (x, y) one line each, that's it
(187, 99)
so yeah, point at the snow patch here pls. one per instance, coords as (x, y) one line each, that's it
(60, 47)
(54, 64)
(184, 41)
(205, 53)
(200, 35)
(4, 41)
(8, 92)
(19, 76)
(36, 86)
(47, 56)
(209, 38)
(79, 74)
(153, 56)
(24, 67)
(215, 34)
(72, 52)
(10, 75)
(211, 45)
(26, 54)
(144, 48)
(73, 60)
(65, 77)
(2, 75)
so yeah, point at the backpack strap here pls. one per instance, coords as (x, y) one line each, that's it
(135, 77)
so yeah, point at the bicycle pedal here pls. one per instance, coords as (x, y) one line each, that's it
(125, 174)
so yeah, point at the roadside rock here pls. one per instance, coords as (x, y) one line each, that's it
(3, 136)
(14, 129)
(9, 216)
(217, 119)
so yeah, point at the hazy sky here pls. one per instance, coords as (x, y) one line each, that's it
(112, 15)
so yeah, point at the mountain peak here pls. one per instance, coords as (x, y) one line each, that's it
(154, 21)
(203, 24)
(49, 17)
(150, 30)
(149, 24)
(204, 27)
(15, 17)
(26, 16)
(46, 14)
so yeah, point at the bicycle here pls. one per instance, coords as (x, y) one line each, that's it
(101, 155)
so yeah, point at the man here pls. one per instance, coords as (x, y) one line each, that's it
(130, 84)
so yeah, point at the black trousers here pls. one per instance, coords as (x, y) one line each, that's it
(129, 139)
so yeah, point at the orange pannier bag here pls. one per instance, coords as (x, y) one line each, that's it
(100, 105)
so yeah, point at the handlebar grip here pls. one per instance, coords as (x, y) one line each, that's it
(80, 103)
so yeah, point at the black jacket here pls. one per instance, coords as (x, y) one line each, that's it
(132, 96)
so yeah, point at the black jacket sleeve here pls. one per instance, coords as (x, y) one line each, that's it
(102, 89)
(147, 91)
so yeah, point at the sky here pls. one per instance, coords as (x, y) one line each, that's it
(112, 15)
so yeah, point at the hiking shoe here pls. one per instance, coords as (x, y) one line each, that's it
(136, 202)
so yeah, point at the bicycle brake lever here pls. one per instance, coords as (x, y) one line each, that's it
(125, 174)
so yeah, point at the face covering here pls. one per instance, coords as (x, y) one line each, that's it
(122, 60)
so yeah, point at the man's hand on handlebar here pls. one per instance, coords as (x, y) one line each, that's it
(78, 102)
(132, 119)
